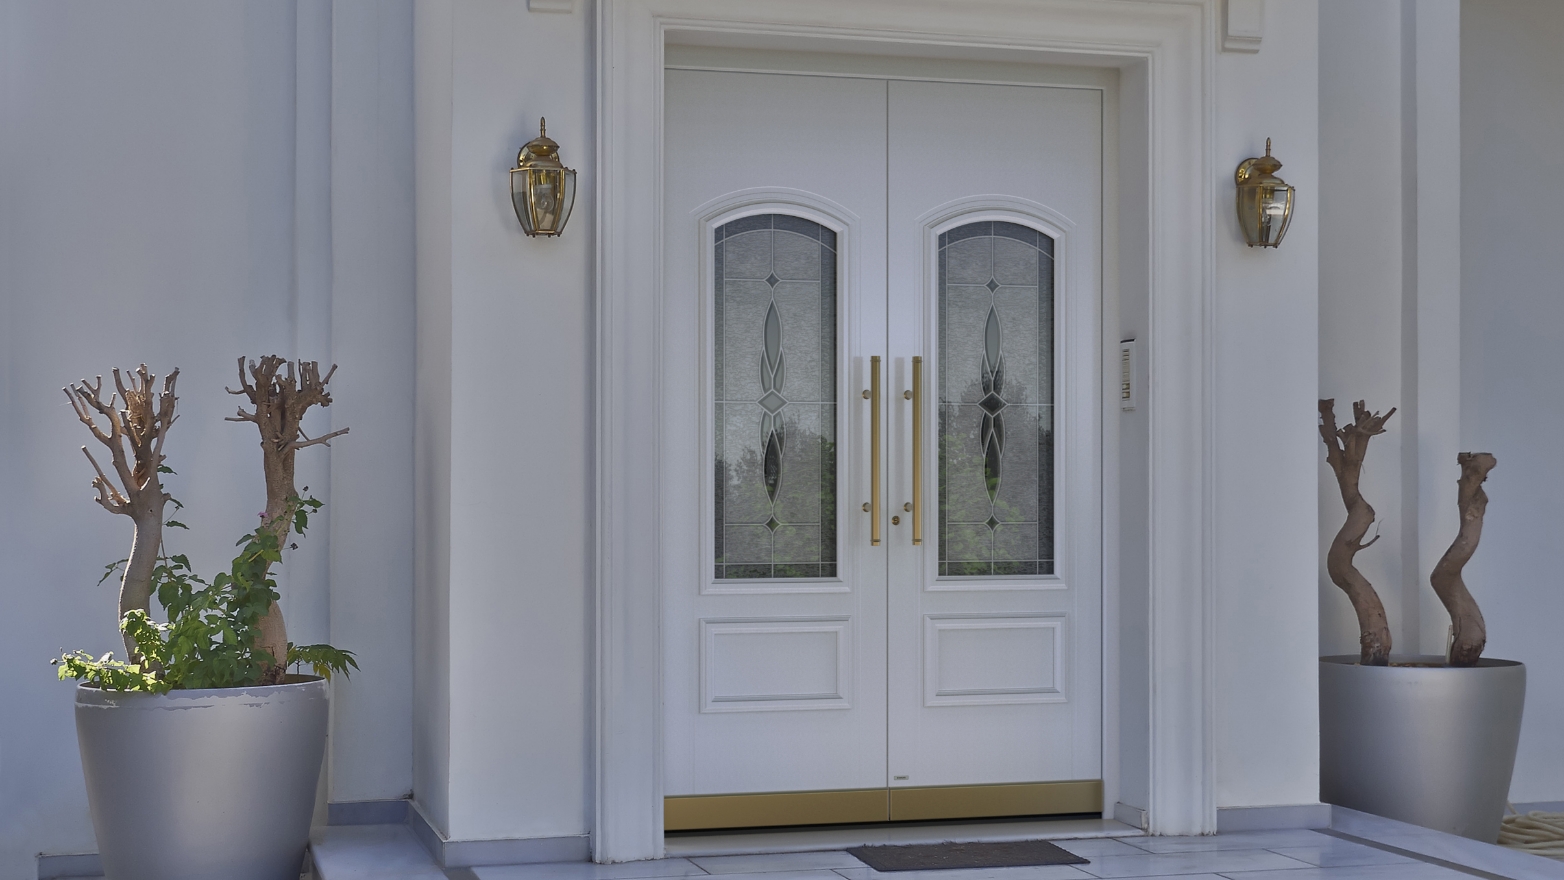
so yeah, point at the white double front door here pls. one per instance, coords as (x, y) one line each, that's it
(906, 608)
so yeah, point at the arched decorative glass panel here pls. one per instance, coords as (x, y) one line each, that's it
(775, 376)
(996, 396)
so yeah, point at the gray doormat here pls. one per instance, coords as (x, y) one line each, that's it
(945, 856)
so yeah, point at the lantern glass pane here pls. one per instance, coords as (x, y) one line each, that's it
(1275, 213)
(521, 200)
(547, 185)
(1264, 212)
(567, 199)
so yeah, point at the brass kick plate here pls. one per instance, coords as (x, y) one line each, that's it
(780, 808)
(851, 806)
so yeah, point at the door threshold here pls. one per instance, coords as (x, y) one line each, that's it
(685, 844)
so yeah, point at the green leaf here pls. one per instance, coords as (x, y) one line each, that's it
(108, 570)
(176, 524)
(324, 660)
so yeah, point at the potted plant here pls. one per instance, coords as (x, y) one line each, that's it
(1426, 739)
(201, 752)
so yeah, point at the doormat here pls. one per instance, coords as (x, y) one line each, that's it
(947, 856)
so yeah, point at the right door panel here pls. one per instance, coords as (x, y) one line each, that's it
(994, 228)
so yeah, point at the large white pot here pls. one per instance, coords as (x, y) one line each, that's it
(1427, 744)
(203, 784)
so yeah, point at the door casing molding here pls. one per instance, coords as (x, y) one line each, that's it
(1169, 45)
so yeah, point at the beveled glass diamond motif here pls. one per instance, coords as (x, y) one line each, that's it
(991, 404)
(992, 285)
(773, 402)
(772, 524)
(772, 279)
(992, 523)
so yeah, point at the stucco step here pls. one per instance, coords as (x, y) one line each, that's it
(371, 852)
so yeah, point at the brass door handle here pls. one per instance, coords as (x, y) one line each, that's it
(917, 450)
(873, 395)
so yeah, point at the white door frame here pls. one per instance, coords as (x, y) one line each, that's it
(1165, 52)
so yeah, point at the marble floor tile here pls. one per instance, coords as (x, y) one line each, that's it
(1236, 840)
(1091, 848)
(371, 852)
(1200, 862)
(648, 870)
(1409, 871)
(775, 862)
(1331, 853)
(819, 874)
(1028, 872)
(1492, 859)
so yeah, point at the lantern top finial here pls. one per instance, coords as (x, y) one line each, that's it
(540, 152)
(1260, 170)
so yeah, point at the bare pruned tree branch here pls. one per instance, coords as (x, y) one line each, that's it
(1471, 633)
(1345, 449)
(280, 392)
(134, 438)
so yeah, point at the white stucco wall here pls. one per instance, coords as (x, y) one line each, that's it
(512, 655)
(176, 190)
(1512, 309)
(1262, 458)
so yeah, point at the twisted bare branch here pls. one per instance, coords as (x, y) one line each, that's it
(1345, 449)
(1471, 633)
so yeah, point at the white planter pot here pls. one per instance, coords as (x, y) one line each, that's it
(1429, 745)
(203, 784)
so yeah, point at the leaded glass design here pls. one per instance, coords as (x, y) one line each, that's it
(775, 376)
(996, 457)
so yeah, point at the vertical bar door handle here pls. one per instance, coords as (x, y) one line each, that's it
(917, 450)
(874, 450)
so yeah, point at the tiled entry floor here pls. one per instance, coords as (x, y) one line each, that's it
(1240, 856)
(1358, 847)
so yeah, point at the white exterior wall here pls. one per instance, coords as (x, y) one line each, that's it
(1265, 324)
(1512, 309)
(513, 402)
(176, 190)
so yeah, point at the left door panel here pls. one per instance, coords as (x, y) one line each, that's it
(773, 626)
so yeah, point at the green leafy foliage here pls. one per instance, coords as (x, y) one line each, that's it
(209, 640)
(323, 660)
(107, 673)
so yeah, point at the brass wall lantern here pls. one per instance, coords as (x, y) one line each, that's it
(542, 190)
(1264, 200)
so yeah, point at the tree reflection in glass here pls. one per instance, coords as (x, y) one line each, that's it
(775, 398)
